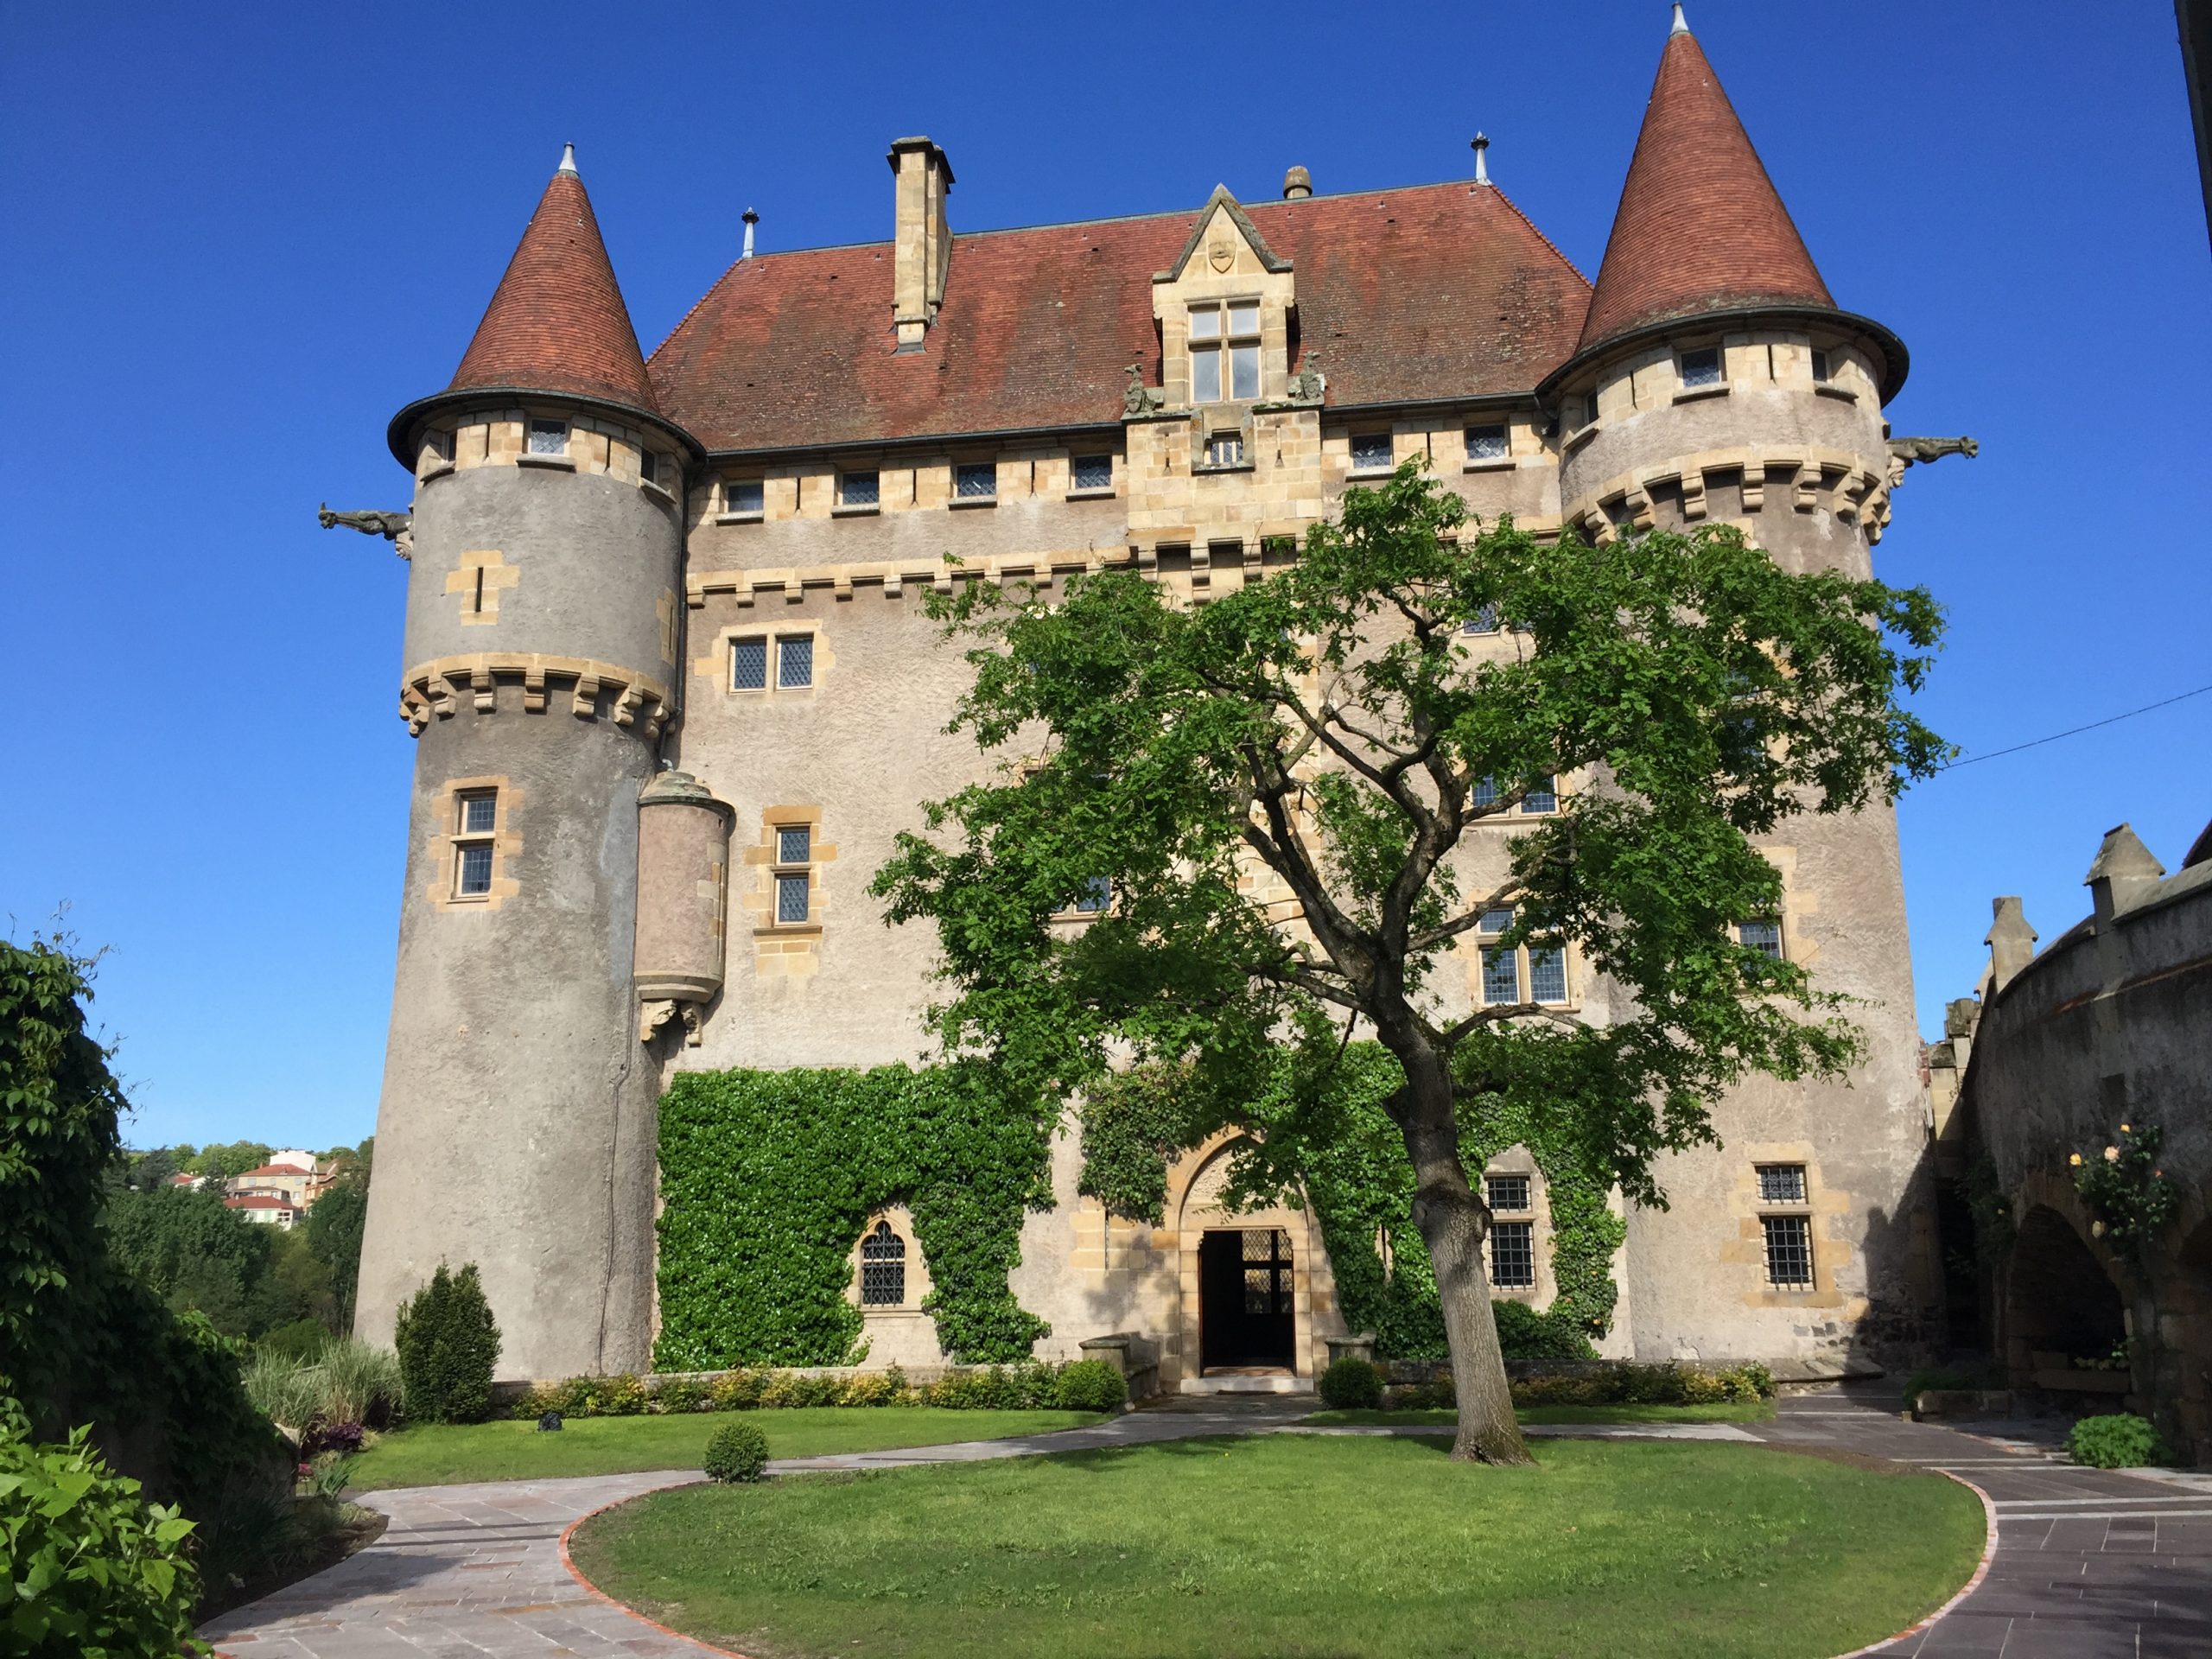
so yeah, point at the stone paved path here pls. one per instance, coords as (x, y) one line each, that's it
(2089, 1565)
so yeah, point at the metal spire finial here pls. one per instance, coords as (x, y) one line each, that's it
(1682, 23)
(1482, 165)
(567, 159)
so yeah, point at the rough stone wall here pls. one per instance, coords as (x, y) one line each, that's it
(516, 1127)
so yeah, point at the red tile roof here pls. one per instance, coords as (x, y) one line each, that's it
(275, 1169)
(1435, 291)
(556, 321)
(257, 1201)
(1700, 227)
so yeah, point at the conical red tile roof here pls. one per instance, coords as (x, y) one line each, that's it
(1700, 227)
(557, 322)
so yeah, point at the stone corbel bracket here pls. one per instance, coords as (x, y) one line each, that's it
(1843, 482)
(598, 690)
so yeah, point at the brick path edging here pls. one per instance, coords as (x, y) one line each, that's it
(1980, 1572)
(592, 1590)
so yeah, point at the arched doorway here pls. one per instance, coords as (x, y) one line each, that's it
(2060, 1304)
(1247, 1282)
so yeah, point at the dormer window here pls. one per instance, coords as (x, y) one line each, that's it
(1701, 368)
(1232, 329)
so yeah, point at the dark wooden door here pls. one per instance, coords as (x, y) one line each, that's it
(1245, 1290)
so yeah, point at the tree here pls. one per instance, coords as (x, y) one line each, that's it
(220, 1163)
(196, 1254)
(1279, 785)
(333, 1234)
(448, 1346)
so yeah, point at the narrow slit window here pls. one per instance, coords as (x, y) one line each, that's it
(1821, 372)
(1701, 368)
(1789, 1250)
(549, 437)
(1092, 471)
(977, 480)
(1590, 409)
(794, 661)
(1486, 443)
(749, 664)
(883, 1269)
(1513, 1255)
(648, 466)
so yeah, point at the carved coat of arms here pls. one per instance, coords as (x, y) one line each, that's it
(1221, 255)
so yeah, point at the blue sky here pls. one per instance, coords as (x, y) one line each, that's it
(245, 235)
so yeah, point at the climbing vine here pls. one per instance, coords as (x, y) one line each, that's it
(1358, 1179)
(2126, 1189)
(767, 1179)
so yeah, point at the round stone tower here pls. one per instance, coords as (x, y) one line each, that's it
(1717, 382)
(515, 1128)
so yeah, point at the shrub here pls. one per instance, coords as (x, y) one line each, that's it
(1090, 1385)
(1351, 1384)
(683, 1394)
(301, 1339)
(737, 1452)
(360, 1383)
(1523, 1333)
(95, 1569)
(2121, 1440)
(735, 1391)
(447, 1345)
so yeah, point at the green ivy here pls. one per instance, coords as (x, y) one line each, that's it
(1360, 1185)
(767, 1179)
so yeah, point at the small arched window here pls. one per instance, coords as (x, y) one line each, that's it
(883, 1269)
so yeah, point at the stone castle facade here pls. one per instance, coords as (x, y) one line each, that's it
(672, 695)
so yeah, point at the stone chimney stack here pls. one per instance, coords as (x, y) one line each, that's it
(2012, 942)
(1297, 184)
(922, 244)
(2123, 875)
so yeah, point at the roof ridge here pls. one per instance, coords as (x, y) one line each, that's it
(1536, 231)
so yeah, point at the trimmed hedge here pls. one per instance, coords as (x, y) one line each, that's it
(1351, 1384)
(1078, 1385)
(1621, 1385)
(736, 1452)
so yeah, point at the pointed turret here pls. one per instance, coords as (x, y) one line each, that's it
(1700, 226)
(556, 322)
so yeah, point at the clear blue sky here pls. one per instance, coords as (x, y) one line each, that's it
(242, 236)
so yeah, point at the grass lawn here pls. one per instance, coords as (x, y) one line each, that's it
(443, 1454)
(1724, 1411)
(1288, 1544)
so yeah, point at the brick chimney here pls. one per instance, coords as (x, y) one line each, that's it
(922, 244)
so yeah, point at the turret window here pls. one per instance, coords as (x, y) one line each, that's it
(476, 815)
(648, 466)
(1701, 368)
(1233, 331)
(549, 437)
(1822, 370)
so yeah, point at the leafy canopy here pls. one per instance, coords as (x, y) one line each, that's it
(1280, 784)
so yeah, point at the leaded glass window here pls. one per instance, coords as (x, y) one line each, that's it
(549, 437)
(1542, 796)
(1500, 977)
(791, 897)
(794, 843)
(858, 489)
(883, 1269)
(480, 814)
(1269, 1280)
(1483, 621)
(744, 495)
(1701, 368)
(1789, 1250)
(975, 480)
(794, 661)
(1782, 1182)
(1486, 443)
(749, 664)
(1092, 473)
(1546, 973)
(1225, 449)
(475, 869)
(1513, 1255)
(1506, 1191)
(1764, 936)
(1370, 452)
(476, 815)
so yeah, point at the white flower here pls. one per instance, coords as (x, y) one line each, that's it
(2112, 1154)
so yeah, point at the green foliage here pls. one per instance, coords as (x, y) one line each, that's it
(347, 1381)
(196, 1255)
(1351, 1384)
(92, 1571)
(768, 1179)
(333, 1235)
(2126, 1189)
(1994, 1227)
(220, 1163)
(302, 1340)
(1133, 1122)
(1615, 1383)
(448, 1346)
(737, 1452)
(1949, 1378)
(1090, 1385)
(1523, 1333)
(85, 1341)
(2119, 1440)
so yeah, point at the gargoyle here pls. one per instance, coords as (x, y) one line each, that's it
(397, 528)
(1309, 383)
(1138, 398)
(1924, 450)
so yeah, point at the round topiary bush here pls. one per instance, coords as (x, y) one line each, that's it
(1090, 1385)
(2121, 1440)
(1351, 1384)
(737, 1452)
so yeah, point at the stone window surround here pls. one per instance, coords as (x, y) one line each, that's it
(786, 949)
(717, 661)
(443, 843)
(1518, 1160)
(1040, 469)
(1523, 970)
(900, 1220)
(1224, 343)
(1827, 1219)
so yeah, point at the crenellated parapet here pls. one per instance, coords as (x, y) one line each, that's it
(591, 690)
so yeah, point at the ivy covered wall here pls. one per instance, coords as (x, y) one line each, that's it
(768, 1177)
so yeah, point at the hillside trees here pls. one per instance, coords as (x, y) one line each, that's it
(1281, 786)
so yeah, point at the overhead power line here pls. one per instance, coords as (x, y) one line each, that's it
(2110, 720)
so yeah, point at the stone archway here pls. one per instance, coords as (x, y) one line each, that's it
(2061, 1303)
(1196, 1186)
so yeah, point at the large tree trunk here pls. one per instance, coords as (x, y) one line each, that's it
(1450, 1220)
